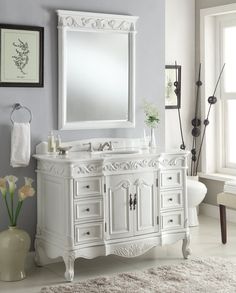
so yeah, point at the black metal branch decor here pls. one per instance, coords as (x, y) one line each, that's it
(177, 90)
(196, 123)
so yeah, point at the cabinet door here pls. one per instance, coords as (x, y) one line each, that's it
(119, 217)
(146, 203)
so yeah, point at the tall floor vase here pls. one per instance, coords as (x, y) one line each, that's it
(14, 245)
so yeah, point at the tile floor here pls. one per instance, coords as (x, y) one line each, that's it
(205, 241)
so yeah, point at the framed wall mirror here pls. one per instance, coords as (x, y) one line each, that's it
(173, 86)
(96, 70)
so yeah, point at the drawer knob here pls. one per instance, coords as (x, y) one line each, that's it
(170, 199)
(87, 186)
(88, 209)
(170, 221)
(88, 233)
(169, 178)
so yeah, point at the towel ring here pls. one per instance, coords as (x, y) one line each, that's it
(18, 106)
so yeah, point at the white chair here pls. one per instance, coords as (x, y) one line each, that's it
(225, 199)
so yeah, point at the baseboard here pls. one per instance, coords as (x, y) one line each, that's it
(29, 262)
(213, 212)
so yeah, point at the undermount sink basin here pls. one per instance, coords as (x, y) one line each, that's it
(117, 152)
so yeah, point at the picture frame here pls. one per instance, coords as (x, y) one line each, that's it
(21, 56)
(173, 86)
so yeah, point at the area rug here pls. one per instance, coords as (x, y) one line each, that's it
(198, 275)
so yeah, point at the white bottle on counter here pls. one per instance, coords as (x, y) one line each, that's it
(58, 141)
(51, 143)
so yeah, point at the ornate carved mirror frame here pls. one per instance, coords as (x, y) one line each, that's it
(94, 22)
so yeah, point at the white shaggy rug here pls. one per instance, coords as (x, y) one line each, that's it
(198, 275)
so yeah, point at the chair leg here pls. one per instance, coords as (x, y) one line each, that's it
(223, 223)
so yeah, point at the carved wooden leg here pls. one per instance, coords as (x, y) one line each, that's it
(185, 247)
(223, 223)
(69, 260)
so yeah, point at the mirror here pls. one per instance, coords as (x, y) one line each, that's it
(172, 86)
(96, 70)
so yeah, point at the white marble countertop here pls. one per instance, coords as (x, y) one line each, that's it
(79, 156)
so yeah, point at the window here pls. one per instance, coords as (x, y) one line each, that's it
(218, 46)
(226, 115)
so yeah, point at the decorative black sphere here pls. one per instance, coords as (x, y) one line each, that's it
(196, 132)
(199, 83)
(176, 83)
(206, 122)
(182, 147)
(212, 100)
(196, 122)
(176, 91)
(194, 158)
(193, 151)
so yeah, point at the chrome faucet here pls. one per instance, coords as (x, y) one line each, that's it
(108, 144)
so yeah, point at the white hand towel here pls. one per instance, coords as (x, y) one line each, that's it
(20, 145)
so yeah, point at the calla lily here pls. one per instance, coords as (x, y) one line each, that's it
(8, 188)
(25, 191)
(3, 186)
(11, 180)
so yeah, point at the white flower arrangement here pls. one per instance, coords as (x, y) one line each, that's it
(8, 189)
(151, 115)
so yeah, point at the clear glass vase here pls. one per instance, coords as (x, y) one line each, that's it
(152, 143)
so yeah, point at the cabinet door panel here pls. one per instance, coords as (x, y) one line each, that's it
(120, 221)
(146, 207)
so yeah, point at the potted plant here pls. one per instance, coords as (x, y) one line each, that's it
(14, 242)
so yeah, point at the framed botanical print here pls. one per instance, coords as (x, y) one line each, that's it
(21, 56)
(173, 86)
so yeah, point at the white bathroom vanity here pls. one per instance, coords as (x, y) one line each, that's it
(121, 202)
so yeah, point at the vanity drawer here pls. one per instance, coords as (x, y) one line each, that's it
(172, 220)
(171, 199)
(88, 186)
(89, 209)
(171, 179)
(88, 232)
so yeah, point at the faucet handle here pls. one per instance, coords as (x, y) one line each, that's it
(90, 149)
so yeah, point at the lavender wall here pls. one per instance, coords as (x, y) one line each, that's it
(43, 101)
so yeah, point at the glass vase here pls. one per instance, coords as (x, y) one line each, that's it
(152, 143)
